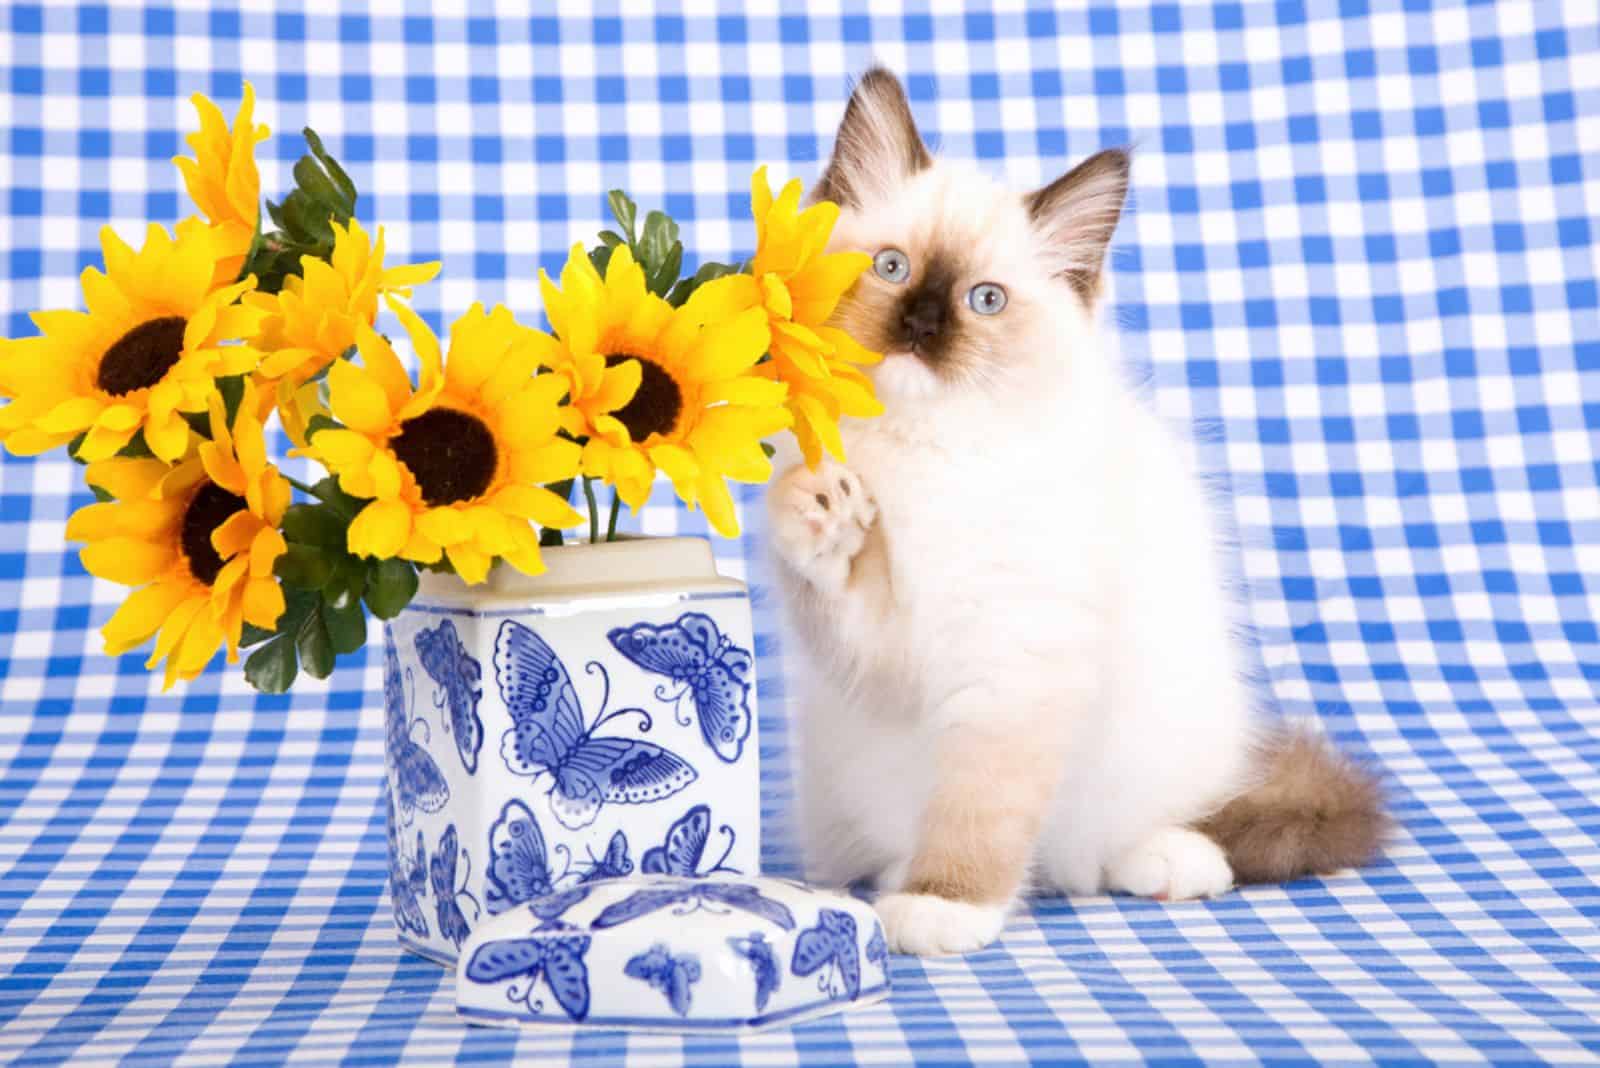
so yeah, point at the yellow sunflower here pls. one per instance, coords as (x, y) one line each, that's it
(798, 284)
(223, 179)
(312, 321)
(198, 539)
(654, 388)
(150, 347)
(453, 466)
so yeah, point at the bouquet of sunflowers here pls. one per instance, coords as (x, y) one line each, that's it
(166, 389)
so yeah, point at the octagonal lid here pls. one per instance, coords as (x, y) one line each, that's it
(674, 954)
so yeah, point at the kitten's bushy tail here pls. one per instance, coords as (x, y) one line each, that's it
(1313, 811)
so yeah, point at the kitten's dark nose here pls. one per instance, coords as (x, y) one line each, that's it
(921, 319)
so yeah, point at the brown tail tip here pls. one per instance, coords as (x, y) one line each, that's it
(1314, 811)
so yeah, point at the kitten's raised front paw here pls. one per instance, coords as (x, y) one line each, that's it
(820, 521)
(1175, 864)
(932, 926)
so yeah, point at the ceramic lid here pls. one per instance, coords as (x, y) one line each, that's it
(677, 954)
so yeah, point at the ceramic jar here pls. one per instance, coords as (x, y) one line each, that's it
(545, 732)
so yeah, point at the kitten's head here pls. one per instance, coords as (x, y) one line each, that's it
(971, 282)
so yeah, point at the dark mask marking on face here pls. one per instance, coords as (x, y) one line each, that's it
(924, 320)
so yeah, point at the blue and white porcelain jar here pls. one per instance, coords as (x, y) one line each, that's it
(545, 732)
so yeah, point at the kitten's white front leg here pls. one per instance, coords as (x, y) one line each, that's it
(996, 766)
(820, 520)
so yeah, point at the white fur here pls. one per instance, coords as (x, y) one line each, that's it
(933, 927)
(1053, 573)
(1175, 864)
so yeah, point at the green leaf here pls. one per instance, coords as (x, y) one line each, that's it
(309, 223)
(550, 537)
(276, 213)
(315, 524)
(305, 567)
(660, 232)
(323, 193)
(320, 422)
(663, 277)
(232, 390)
(315, 646)
(136, 446)
(346, 186)
(199, 422)
(272, 668)
(600, 257)
(349, 578)
(390, 586)
(611, 239)
(254, 635)
(317, 185)
(768, 450)
(346, 506)
(346, 623)
(624, 210)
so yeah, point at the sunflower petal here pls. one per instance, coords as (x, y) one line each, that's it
(722, 298)
(263, 602)
(358, 399)
(234, 535)
(140, 616)
(380, 530)
(469, 563)
(128, 561)
(730, 348)
(717, 504)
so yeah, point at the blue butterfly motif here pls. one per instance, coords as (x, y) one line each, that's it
(758, 951)
(548, 736)
(418, 782)
(406, 881)
(519, 867)
(673, 976)
(830, 947)
(442, 873)
(615, 864)
(557, 960)
(693, 896)
(445, 660)
(878, 947)
(714, 671)
(685, 847)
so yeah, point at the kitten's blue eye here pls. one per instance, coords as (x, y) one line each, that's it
(986, 298)
(892, 265)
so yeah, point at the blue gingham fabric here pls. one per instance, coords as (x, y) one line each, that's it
(1361, 263)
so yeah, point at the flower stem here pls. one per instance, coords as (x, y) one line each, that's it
(301, 486)
(616, 506)
(594, 510)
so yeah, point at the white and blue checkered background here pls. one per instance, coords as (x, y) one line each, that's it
(1362, 263)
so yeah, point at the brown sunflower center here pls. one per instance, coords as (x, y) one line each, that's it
(142, 356)
(654, 408)
(209, 508)
(451, 454)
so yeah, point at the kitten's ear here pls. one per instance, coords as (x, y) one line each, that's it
(878, 145)
(1077, 214)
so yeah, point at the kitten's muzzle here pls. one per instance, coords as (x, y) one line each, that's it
(921, 320)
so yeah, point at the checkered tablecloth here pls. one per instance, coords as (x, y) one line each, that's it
(1362, 263)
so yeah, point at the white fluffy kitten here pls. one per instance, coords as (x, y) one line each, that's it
(1020, 657)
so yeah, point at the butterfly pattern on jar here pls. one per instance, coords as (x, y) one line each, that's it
(582, 787)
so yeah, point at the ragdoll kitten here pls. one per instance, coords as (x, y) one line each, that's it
(1021, 662)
